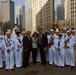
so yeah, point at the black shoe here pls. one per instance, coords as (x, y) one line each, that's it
(1, 68)
(18, 68)
(62, 67)
(72, 67)
(66, 65)
(12, 69)
(7, 69)
(49, 64)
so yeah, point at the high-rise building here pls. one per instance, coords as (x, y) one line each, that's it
(60, 12)
(70, 13)
(42, 14)
(0, 11)
(7, 12)
(20, 16)
(28, 15)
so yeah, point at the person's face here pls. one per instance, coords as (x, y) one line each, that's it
(28, 33)
(60, 37)
(17, 34)
(69, 33)
(8, 35)
(40, 31)
(35, 35)
(52, 32)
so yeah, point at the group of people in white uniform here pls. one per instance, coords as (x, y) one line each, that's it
(11, 47)
(60, 49)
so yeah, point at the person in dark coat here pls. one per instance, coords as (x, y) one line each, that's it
(42, 45)
(27, 48)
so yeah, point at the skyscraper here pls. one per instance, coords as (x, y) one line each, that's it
(28, 15)
(42, 14)
(20, 16)
(70, 13)
(60, 11)
(7, 11)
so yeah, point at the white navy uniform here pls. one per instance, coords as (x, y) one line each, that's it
(3, 55)
(18, 51)
(70, 51)
(52, 51)
(9, 57)
(1, 50)
(59, 43)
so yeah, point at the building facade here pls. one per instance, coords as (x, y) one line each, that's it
(70, 13)
(28, 15)
(20, 16)
(42, 14)
(60, 12)
(7, 12)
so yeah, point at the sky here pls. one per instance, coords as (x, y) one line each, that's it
(22, 2)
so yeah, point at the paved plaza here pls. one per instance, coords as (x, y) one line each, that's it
(40, 70)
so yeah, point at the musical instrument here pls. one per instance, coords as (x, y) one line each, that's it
(51, 42)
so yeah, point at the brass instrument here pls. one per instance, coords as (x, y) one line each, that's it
(51, 42)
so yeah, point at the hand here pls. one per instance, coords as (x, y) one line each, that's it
(8, 50)
(18, 46)
(58, 49)
(25, 50)
(17, 49)
(45, 49)
(67, 47)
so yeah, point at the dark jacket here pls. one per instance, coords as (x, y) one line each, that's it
(44, 41)
(27, 44)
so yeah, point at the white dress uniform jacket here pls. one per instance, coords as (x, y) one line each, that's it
(60, 53)
(9, 56)
(52, 51)
(70, 51)
(18, 51)
(1, 50)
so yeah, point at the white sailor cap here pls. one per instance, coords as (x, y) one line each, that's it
(65, 29)
(8, 32)
(68, 31)
(52, 30)
(23, 32)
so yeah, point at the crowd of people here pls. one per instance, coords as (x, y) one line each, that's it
(54, 48)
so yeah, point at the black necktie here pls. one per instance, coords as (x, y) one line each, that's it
(19, 40)
(58, 44)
